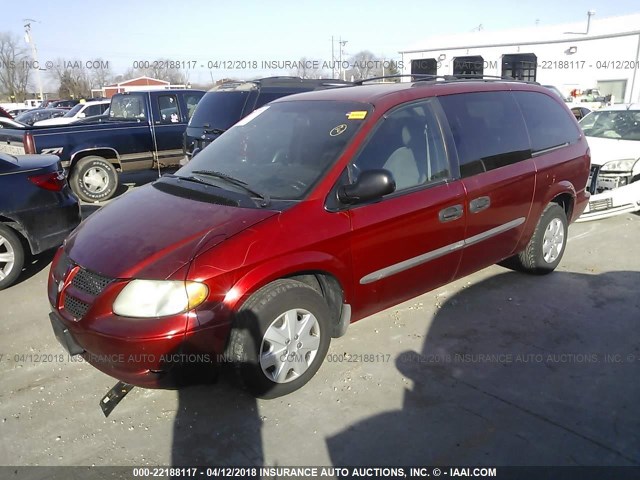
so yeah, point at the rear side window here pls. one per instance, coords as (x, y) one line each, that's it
(548, 123)
(168, 106)
(488, 130)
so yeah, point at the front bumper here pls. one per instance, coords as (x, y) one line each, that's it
(163, 352)
(169, 361)
(612, 202)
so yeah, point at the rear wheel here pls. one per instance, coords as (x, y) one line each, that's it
(546, 247)
(280, 338)
(11, 257)
(94, 179)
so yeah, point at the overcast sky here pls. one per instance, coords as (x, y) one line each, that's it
(122, 32)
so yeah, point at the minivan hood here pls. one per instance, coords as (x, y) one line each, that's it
(604, 150)
(151, 234)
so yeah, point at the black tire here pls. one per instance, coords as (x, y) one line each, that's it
(103, 169)
(10, 244)
(247, 338)
(532, 258)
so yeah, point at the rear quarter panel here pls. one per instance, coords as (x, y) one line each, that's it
(562, 171)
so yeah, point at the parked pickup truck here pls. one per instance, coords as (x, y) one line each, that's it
(144, 130)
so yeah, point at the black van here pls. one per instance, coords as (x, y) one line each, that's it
(226, 104)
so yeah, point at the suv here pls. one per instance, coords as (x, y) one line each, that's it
(311, 213)
(225, 104)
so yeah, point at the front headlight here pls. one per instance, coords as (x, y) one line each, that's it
(619, 165)
(158, 298)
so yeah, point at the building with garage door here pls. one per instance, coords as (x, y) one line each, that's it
(594, 53)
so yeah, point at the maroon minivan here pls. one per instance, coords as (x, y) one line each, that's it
(313, 212)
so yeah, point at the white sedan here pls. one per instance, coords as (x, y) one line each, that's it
(81, 110)
(613, 134)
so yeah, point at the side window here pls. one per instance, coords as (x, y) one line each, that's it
(488, 130)
(548, 123)
(408, 143)
(104, 107)
(127, 107)
(191, 100)
(168, 108)
(92, 111)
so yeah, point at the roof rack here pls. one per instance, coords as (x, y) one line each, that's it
(423, 77)
(281, 81)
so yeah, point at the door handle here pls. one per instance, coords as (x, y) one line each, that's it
(450, 213)
(479, 204)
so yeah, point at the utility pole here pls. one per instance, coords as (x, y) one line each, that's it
(34, 52)
(333, 60)
(342, 43)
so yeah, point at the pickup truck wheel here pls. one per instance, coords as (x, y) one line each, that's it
(94, 179)
(11, 257)
(280, 338)
(546, 247)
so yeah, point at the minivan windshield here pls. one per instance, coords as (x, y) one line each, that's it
(282, 149)
(619, 124)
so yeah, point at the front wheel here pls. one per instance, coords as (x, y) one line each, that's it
(280, 338)
(546, 247)
(94, 179)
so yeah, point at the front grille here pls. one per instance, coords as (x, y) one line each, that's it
(90, 282)
(75, 307)
(598, 205)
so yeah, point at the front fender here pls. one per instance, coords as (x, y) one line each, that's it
(286, 266)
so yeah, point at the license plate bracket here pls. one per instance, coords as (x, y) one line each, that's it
(64, 336)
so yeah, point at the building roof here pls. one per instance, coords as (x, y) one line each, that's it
(604, 27)
(137, 79)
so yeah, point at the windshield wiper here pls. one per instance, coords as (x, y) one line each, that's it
(234, 181)
(190, 178)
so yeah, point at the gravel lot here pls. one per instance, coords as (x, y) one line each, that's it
(498, 368)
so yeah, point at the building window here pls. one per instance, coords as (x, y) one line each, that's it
(424, 66)
(521, 66)
(472, 66)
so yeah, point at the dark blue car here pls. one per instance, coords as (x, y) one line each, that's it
(37, 210)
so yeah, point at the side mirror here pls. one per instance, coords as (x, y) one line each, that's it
(371, 184)
(195, 152)
(82, 115)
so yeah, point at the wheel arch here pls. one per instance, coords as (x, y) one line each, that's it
(318, 270)
(107, 153)
(564, 194)
(28, 241)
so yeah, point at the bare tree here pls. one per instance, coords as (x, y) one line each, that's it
(72, 77)
(14, 67)
(309, 68)
(364, 65)
(102, 75)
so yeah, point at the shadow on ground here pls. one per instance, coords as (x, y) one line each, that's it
(34, 264)
(517, 370)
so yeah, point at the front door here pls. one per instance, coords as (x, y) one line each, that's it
(410, 241)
